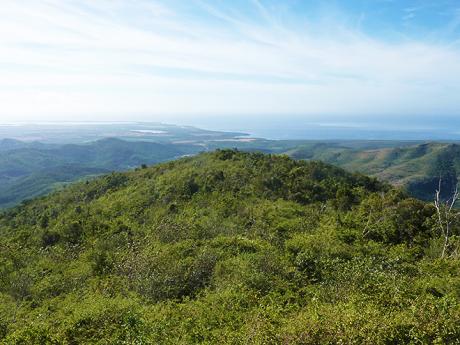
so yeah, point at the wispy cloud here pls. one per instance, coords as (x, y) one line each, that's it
(60, 58)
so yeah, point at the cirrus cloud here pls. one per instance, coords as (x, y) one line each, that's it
(59, 59)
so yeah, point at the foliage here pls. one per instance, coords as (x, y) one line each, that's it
(227, 247)
(31, 170)
(417, 167)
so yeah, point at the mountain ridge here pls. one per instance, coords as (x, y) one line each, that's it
(417, 168)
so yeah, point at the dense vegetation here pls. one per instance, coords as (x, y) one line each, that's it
(417, 168)
(32, 169)
(229, 248)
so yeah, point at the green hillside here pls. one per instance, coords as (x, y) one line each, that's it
(416, 168)
(228, 248)
(32, 169)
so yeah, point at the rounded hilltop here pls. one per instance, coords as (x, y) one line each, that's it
(227, 247)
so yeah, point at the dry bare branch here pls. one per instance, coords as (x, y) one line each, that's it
(445, 215)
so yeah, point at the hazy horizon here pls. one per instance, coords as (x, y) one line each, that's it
(295, 127)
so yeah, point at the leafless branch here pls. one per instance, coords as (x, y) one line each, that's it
(445, 215)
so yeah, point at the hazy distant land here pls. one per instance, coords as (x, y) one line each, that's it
(36, 159)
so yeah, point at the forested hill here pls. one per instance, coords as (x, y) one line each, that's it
(32, 169)
(417, 168)
(228, 248)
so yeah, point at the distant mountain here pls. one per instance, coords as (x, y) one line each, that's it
(43, 182)
(118, 154)
(417, 168)
(28, 170)
(6, 144)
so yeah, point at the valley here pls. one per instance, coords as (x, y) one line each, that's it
(30, 168)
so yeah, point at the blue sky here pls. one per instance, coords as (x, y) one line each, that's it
(155, 60)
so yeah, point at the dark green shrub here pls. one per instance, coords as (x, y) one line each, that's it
(50, 238)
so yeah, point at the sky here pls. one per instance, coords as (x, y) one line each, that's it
(148, 60)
